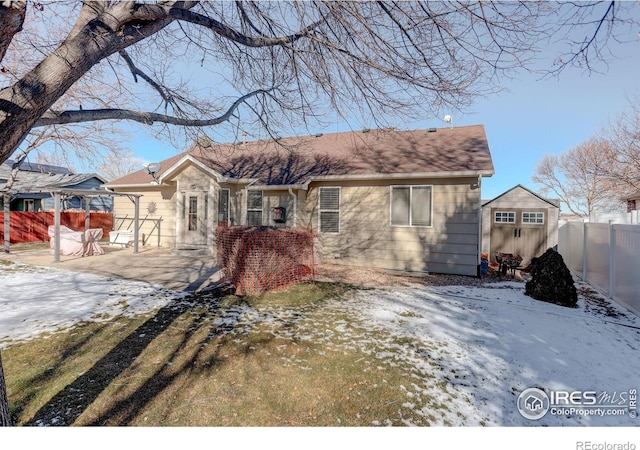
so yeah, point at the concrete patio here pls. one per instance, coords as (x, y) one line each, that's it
(154, 265)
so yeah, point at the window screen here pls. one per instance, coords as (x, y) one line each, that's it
(411, 206)
(254, 208)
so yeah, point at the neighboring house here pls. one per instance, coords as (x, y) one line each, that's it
(396, 200)
(30, 190)
(633, 202)
(521, 222)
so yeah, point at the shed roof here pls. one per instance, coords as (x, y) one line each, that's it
(38, 177)
(553, 202)
(364, 154)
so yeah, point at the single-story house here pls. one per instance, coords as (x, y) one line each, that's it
(521, 222)
(30, 190)
(398, 200)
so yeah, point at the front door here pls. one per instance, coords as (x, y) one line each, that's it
(194, 219)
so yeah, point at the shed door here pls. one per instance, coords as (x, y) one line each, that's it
(519, 231)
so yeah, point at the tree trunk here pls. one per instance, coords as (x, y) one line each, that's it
(5, 417)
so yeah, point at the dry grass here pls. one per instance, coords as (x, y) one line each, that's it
(294, 358)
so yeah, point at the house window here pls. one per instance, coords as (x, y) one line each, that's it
(411, 206)
(223, 207)
(192, 217)
(254, 208)
(329, 210)
(505, 217)
(533, 217)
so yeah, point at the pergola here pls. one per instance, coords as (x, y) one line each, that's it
(85, 194)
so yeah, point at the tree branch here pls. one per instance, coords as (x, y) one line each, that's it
(235, 36)
(147, 118)
(12, 14)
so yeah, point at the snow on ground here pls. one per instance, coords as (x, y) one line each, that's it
(36, 300)
(471, 350)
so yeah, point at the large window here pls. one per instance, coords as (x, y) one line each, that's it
(254, 208)
(329, 210)
(411, 206)
(504, 217)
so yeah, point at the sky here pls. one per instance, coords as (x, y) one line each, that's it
(530, 118)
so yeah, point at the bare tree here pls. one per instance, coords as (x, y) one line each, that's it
(275, 65)
(623, 136)
(579, 177)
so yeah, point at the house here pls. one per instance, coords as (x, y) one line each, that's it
(31, 188)
(521, 222)
(399, 200)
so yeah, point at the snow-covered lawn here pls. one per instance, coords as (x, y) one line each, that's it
(472, 349)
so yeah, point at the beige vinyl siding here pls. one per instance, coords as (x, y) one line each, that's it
(165, 204)
(367, 238)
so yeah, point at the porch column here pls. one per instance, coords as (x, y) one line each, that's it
(56, 227)
(7, 221)
(136, 220)
(87, 213)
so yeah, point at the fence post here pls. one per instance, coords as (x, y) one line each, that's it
(7, 222)
(612, 259)
(584, 250)
(56, 224)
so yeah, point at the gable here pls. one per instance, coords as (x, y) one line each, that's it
(521, 197)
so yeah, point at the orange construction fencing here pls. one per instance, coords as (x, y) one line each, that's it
(258, 259)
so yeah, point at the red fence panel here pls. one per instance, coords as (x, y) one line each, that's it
(34, 226)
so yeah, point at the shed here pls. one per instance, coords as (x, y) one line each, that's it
(521, 222)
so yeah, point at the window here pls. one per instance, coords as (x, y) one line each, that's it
(192, 218)
(329, 210)
(505, 217)
(223, 207)
(411, 206)
(533, 217)
(254, 208)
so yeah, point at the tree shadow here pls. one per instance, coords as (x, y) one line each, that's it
(68, 404)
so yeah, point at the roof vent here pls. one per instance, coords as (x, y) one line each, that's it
(366, 130)
(318, 134)
(432, 130)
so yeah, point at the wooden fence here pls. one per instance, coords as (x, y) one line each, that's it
(34, 226)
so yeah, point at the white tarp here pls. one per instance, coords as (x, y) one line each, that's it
(77, 243)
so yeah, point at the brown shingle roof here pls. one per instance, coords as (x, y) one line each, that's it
(374, 153)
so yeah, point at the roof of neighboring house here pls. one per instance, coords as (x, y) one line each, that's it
(33, 177)
(553, 202)
(458, 151)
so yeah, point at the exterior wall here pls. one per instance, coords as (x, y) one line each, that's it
(366, 237)
(157, 208)
(520, 199)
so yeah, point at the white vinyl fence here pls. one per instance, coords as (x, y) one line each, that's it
(606, 256)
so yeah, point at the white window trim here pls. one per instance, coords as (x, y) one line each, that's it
(410, 186)
(320, 211)
(535, 213)
(504, 212)
(261, 209)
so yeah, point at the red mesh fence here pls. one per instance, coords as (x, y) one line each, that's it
(34, 226)
(256, 259)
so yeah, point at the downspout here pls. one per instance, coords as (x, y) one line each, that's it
(479, 223)
(295, 205)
